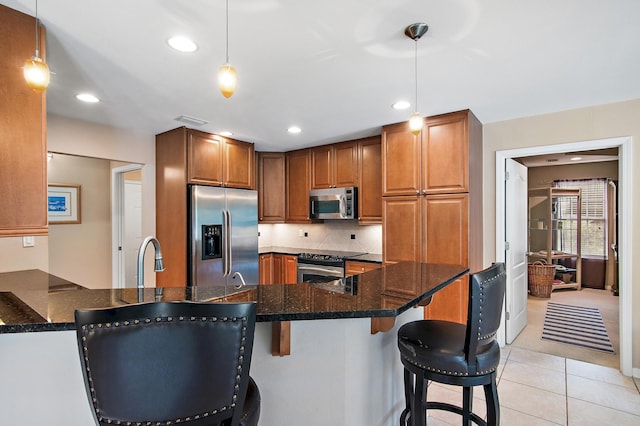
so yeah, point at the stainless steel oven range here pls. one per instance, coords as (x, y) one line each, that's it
(326, 271)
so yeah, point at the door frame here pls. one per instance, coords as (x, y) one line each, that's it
(117, 222)
(625, 224)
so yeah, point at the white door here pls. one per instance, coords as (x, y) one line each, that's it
(132, 230)
(516, 252)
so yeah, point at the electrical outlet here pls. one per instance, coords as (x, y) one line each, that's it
(306, 234)
(353, 236)
(29, 241)
(300, 233)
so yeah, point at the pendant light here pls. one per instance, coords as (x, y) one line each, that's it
(36, 71)
(227, 76)
(414, 32)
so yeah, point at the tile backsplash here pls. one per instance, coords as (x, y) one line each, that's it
(331, 235)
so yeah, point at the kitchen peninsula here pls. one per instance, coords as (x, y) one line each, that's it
(338, 373)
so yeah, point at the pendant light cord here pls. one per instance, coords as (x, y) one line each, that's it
(227, 31)
(37, 31)
(416, 73)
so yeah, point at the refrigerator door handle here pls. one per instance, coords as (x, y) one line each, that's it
(225, 243)
(229, 257)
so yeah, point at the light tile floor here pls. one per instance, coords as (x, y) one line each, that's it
(541, 389)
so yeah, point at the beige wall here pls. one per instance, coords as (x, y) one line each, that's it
(598, 122)
(542, 177)
(81, 252)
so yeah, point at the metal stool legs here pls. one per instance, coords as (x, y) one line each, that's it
(416, 405)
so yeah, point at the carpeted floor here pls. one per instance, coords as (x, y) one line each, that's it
(530, 337)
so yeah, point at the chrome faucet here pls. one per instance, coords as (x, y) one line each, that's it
(159, 264)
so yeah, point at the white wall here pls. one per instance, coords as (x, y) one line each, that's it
(585, 124)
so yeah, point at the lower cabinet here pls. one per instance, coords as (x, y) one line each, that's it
(352, 267)
(278, 269)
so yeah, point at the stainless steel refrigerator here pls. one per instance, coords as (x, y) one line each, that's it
(223, 230)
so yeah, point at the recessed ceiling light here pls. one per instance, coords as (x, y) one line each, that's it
(576, 158)
(87, 97)
(182, 44)
(226, 133)
(294, 129)
(401, 105)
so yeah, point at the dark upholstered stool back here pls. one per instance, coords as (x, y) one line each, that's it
(464, 355)
(167, 362)
(486, 297)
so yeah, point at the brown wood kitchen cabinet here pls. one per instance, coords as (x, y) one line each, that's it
(271, 187)
(23, 163)
(432, 206)
(334, 166)
(370, 181)
(218, 161)
(265, 269)
(276, 268)
(298, 175)
(185, 156)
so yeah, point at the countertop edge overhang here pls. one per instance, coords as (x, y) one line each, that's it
(402, 301)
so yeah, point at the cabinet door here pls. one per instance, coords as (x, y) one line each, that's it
(345, 164)
(265, 268)
(401, 229)
(271, 187)
(298, 176)
(370, 181)
(278, 269)
(290, 269)
(238, 164)
(23, 167)
(445, 154)
(321, 167)
(400, 160)
(205, 158)
(446, 240)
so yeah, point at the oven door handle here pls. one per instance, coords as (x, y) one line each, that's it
(330, 272)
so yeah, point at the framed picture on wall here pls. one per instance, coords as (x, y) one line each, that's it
(63, 203)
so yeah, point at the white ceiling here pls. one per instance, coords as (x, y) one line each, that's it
(334, 67)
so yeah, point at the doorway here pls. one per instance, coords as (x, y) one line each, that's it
(126, 193)
(625, 225)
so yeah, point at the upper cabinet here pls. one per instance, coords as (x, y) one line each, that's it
(271, 187)
(23, 164)
(298, 175)
(215, 160)
(334, 166)
(370, 181)
(437, 160)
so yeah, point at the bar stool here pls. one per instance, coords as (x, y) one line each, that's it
(168, 363)
(464, 355)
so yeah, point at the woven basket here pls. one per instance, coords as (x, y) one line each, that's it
(541, 278)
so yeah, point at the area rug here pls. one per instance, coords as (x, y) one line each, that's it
(576, 325)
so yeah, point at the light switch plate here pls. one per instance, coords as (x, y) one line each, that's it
(28, 241)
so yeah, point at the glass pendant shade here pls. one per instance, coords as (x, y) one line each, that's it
(227, 80)
(415, 123)
(36, 73)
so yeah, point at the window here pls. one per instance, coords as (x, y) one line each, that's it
(593, 235)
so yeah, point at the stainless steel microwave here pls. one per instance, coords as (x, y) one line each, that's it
(333, 203)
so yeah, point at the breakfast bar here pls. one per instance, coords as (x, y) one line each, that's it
(351, 375)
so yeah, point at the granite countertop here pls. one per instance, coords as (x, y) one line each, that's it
(348, 255)
(28, 303)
